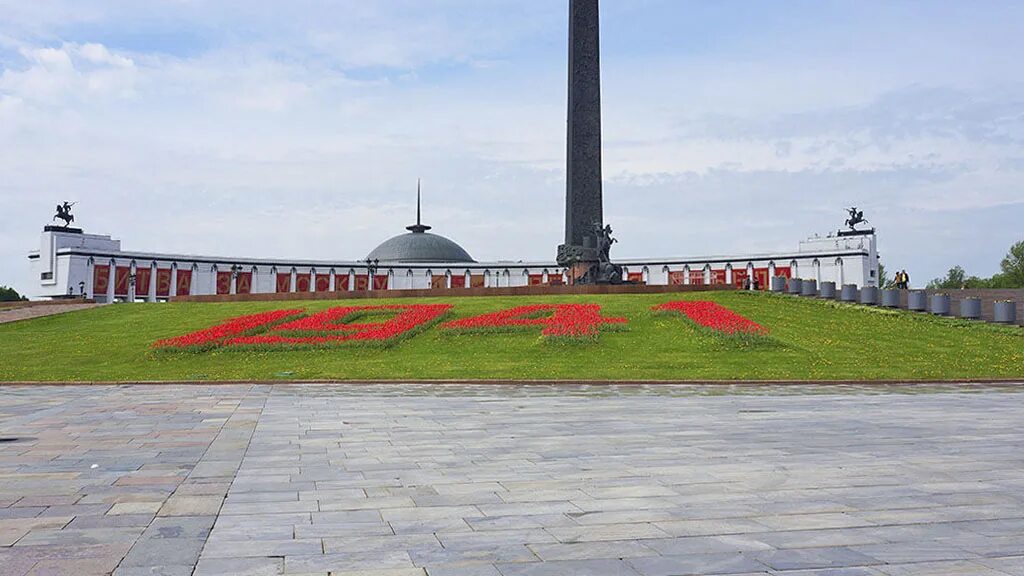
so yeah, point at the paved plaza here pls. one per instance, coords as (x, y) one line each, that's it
(511, 481)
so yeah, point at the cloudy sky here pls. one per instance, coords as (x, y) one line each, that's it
(299, 129)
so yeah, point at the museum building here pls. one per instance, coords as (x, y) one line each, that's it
(73, 263)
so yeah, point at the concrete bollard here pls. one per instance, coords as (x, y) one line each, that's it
(828, 290)
(793, 286)
(917, 301)
(940, 304)
(970, 308)
(849, 293)
(869, 295)
(1005, 312)
(809, 288)
(891, 298)
(778, 284)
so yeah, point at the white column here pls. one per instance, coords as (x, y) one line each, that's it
(173, 290)
(132, 269)
(293, 281)
(152, 283)
(111, 281)
(90, 278)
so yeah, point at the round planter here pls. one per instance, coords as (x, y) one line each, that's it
(1005, 312)
(809, 288)
(940, 304)
(891, 298)
(827, 290)
(869, 295)
(778, 284)
(917, 301)
(970, 308)
(794, 286)
(849, 293)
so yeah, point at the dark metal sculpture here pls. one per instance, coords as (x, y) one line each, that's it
(856, 217)
(64, 213)
(602, 271)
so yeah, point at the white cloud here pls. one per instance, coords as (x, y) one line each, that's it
(301, 134)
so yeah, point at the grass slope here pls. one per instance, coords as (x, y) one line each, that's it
(810, 340)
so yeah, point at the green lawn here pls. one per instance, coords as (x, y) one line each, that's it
(810, 340)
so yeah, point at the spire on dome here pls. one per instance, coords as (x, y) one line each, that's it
(418, 227)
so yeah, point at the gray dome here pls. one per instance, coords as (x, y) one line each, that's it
(420, 247)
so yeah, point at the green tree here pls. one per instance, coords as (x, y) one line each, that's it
(883, 276)
(955, 279)
(10, 295)
(1013, 267)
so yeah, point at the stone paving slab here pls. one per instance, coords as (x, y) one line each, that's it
(499, 481)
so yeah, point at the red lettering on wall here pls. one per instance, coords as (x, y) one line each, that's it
(323, 282)
(243, 283)
(142, 276)
(223, 282)
(121, 280)
(100, 279)
(284, 283)
(184, 285)
(163, 282)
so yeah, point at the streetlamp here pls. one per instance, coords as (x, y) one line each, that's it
(371, 272)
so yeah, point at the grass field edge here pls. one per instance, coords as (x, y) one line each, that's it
(1009, 382)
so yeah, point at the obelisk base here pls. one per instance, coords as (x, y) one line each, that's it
(583, 265)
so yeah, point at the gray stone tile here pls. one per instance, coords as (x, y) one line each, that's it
(814, 558)
(240, 567)
(947, 568)
(729, 563)
(568, 568)
(477, 570)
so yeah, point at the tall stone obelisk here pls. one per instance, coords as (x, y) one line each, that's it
(583, 198)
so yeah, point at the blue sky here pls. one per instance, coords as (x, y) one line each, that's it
(299, 130)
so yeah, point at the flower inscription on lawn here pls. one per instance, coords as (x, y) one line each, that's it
(289, 329)
(714, 317)
(387, 324)
(561, 321)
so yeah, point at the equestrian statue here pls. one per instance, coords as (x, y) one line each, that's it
(64, 213)
(856, 217)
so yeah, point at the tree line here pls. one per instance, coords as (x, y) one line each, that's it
(1011, 274)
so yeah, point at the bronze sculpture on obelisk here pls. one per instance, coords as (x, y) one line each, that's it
(587, 239)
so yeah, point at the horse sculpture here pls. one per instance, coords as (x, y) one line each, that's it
(64, 213)
(856, 217)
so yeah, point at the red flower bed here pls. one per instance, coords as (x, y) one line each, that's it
(558, 320)
(288, 328)
(232, 328)
(329, 326)
(715, 317)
